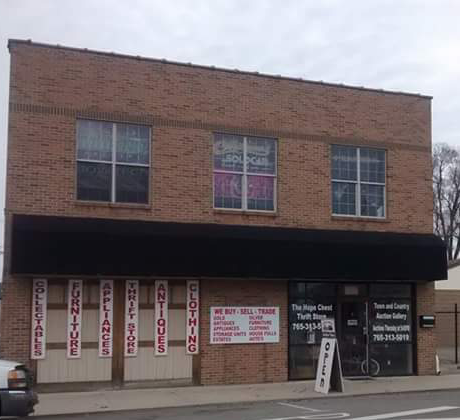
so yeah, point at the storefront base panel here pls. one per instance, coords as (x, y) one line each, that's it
(58, 368)
(145, 366)
(243, 363)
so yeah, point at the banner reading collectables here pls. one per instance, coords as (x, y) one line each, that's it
(161, 318)
(105, 318)
(39, 302)
(192, 327)
(131, 317)
(74, 309)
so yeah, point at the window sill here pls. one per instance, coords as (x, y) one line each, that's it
(360, 219)
(83, 203)
(247, 212)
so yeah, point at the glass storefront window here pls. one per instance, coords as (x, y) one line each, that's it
(384, 311)
(308, 304)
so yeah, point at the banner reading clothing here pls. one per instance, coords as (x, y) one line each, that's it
(131, 318)
(105, 318)
(192, 318)
(161, 318)
(39, 302)
(75, 307)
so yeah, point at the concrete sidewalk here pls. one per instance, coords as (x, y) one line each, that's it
(134, 399)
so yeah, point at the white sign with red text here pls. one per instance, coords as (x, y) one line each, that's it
(74, 310)
(244, 324)
(192, 318)
(131, 317)
(105, 318)
(39, 302)
(161, 317)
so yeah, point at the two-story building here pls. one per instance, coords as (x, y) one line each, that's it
(175, 223)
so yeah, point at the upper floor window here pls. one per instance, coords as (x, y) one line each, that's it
(112, 162)
(244, 172)
(358, 181)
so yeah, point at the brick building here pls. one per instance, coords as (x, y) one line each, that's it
(175, 223)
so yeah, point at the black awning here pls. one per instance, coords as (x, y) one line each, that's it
(90, 246)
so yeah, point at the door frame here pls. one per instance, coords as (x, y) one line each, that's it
(354, 299)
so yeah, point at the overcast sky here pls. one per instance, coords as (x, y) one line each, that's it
(407, 45)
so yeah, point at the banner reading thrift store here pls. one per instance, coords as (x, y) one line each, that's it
(161, 318)
(105, 318)
(192, 319)
(39, 302)
(131, 318)
(74, 308)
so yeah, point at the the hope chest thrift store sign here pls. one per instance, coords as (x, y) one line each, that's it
(244, 324)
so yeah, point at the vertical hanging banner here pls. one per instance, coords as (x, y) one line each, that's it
(105, 318)
(161, 317)
(131, 318)
(192, 316)
(39, 302)
(74, 309)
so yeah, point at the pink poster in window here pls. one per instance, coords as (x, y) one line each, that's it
(260, 187)
(227, 185)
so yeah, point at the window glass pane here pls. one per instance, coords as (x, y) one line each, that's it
(261, 155)
(261, 193)
(391, 359)
(372, 165)
(390, 335)
(228, 152)
(296, 290)
(344, 163)
(227, 191)
(343, 198)
(302, 361)
(372, 200)
(94, 140)
(132, 184)
(390, 290)
(318, 290)
(353, 290)
(133, 143)
(390, 321)
(94, 181)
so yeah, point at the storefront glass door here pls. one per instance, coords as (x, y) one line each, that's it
(354, 338)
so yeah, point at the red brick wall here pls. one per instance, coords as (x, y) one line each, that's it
(184, 105)
(243, 363)
(426, 337)
(16, 319)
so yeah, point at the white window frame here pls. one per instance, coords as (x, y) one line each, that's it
(114, 164)
(358, 184)
(244, 182)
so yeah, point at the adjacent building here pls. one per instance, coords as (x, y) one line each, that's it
(171, 223)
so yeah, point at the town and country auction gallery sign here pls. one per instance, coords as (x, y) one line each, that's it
(244, 324)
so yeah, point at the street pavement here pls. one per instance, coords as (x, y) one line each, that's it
(434, 405)
(111, 400)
